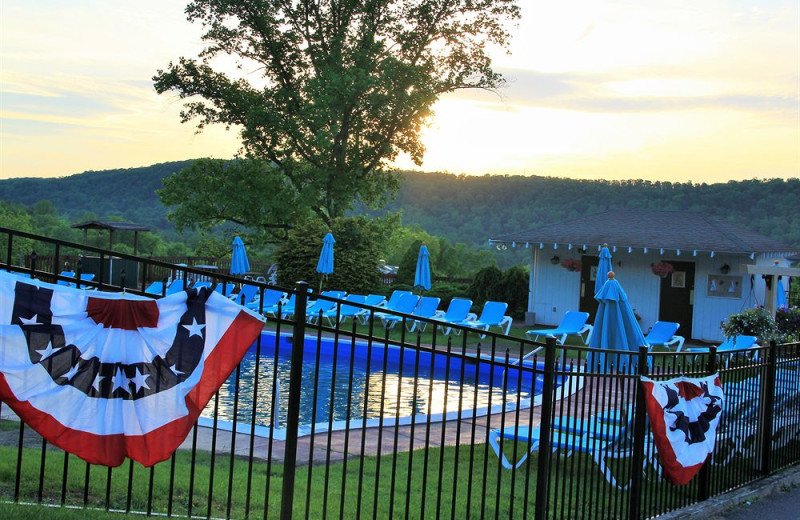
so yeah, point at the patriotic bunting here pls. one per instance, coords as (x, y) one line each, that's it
(684, 414)
(107, 376)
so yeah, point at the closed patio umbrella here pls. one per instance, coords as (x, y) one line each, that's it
(615, 326)
(602, 268)
(325, 263)
(239, 262)
(422, 276)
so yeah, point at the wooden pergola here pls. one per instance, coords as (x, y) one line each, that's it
(111, 227)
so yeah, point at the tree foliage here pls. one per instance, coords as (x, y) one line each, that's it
(356, 254)
(337, 89)
(249, 193)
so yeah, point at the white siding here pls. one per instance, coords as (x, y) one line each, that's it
(557, 290)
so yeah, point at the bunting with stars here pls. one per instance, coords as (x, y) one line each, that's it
(107, 376)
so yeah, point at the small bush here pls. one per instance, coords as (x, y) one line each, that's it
(752, 322)
(788, 323)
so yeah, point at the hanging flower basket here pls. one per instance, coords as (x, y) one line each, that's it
(571, 265)
(663, 269)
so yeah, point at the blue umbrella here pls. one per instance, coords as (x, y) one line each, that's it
(239, 263)
(602, 268)
(781, 296)
(422, 276)
(325, 263)
(615, 326)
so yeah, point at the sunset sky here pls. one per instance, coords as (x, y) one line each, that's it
(698, 90)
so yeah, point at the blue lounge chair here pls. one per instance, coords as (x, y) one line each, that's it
(156, 288)
(224, 288)
(246, 294)
(319, 308)
(345, 311)
(734, 343)
(66, 274)
(572, 324)
(271, 300)
(393, 300)
(492, 315)
(406, 305)
(373, 300)
(663, 334)
(457, 312)
(600, 439)
(176, 286)
(426, 307)
(314, 306)
(86, 277)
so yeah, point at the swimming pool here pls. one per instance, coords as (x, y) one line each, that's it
(364, 384)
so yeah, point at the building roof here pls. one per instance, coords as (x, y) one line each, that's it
(640, 229)
(111, 226)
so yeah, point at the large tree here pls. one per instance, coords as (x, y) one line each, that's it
(331, 91)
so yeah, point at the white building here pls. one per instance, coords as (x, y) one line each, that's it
(707, 255)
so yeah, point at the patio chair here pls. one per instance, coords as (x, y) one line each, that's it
(492, 315)
(373, 300)
(598, 437)
(269, 302)
(426, 307)
(663, 334)
(318, 308)
(246, 294)
(155, 288)
(344, 310)
(224, 288)
(176, 286)
(407, 304)
(86, 277)
(457, 312)
(734, 343)
(66, 274)
(287, 309)
(393, 300)
(572, 324)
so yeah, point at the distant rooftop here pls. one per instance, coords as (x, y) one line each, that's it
(640, 229)
(111, 226)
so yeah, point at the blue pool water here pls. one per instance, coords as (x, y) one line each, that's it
(378, 379)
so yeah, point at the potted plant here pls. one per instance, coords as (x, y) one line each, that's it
(663, 269)
(571, 265)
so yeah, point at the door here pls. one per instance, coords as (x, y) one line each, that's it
(677, 297)
(588, 276)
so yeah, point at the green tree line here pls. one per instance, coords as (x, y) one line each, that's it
(462, 209)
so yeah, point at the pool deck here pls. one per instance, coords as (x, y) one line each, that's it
(387, 439)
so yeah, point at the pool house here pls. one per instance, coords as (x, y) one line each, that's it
(686, 267)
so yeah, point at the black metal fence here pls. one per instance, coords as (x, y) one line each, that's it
(359, 412)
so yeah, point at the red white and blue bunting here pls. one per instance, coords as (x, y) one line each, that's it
(107, 376)
(684, 414)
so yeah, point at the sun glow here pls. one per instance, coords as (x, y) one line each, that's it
(606, 89)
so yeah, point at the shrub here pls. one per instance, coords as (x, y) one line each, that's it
(356, 255)
(487, 285)
(752, 322)
(515, 291)
(788, 322)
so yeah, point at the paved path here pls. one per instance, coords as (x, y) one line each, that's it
(782, 505)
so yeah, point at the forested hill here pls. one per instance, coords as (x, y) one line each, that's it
(472, 209)
(460, 208)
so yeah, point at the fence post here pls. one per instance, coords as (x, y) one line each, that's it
(639, 432)
(767, 412)
(543, 468)
(293, 411)
(704, 476)
(33, 264)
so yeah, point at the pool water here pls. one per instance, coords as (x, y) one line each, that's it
(366, 383)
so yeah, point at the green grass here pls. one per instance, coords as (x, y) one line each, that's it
(462, 490)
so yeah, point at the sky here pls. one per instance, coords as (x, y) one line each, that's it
(684, 90)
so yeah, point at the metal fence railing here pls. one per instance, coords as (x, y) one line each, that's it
(341, 414)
